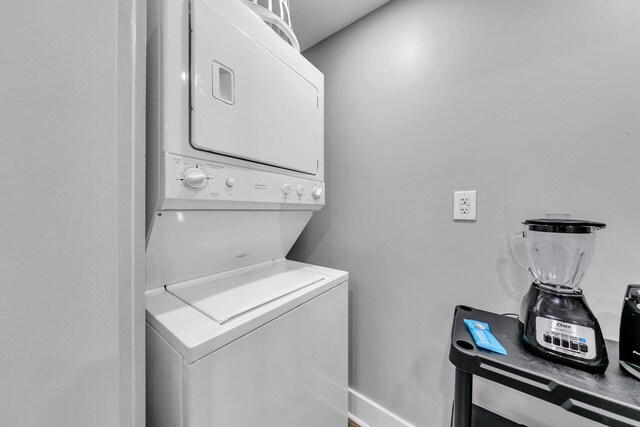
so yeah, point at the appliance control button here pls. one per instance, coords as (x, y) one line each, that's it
(286, 188)
(230, 182)
(547, 338)
(565, 343)
(300, 190)
(574, 345)
(556, 341)
(584, 348)
(194, 178)
(316, 192)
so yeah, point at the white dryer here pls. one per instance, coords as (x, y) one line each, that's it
(236, 334)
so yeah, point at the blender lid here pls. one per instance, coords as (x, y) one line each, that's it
(577, 226)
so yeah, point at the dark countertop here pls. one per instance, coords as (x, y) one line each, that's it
(612, 398)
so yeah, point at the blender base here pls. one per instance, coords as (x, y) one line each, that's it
(562, 328)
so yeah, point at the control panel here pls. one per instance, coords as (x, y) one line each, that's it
(567, 338)
(195, 179)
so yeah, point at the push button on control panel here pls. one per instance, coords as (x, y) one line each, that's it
(578, 345)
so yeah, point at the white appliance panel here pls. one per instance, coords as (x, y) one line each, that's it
(185, 245)
(163, 382)
(247, 103)
(287, 372)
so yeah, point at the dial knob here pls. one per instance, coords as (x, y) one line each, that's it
(286, 188)
(300, 190)
(316, 192)
(194, 178)
(230, 182)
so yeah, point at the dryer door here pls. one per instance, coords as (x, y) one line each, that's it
(246, 102)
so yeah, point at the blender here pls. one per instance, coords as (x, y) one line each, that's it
(555, 320)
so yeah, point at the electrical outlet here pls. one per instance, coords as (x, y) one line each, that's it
(464, 205)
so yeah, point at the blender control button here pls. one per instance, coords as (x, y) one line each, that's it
(574, 345)
(547, 338)
(565, 343)
(556, 341)
(584, 348)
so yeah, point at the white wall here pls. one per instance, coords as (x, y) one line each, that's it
(71, 213)
(536, 105)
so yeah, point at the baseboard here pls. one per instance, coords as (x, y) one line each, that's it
(367, 413)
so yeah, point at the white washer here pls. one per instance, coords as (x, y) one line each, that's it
(264, 346)
(236, 334)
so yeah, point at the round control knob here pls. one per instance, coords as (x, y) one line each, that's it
(316, 192)
(230, 182)
(300, 190)
(286, 188)
(194, 178)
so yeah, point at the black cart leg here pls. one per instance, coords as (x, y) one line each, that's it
(462, 403)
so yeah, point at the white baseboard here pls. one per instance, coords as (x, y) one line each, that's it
(367, 413)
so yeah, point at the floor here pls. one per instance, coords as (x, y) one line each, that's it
(352, 424)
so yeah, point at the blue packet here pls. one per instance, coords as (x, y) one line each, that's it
(483, 337)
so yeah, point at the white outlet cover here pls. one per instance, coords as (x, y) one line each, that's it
(462, 212)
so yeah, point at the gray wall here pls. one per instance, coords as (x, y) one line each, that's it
(536, 105)
(71, 215)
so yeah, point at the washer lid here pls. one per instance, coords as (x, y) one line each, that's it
(227, 298)
(194, 333)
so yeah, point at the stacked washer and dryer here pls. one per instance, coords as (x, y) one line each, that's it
(236, 334)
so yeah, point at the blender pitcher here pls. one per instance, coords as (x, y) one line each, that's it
(559, 251)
